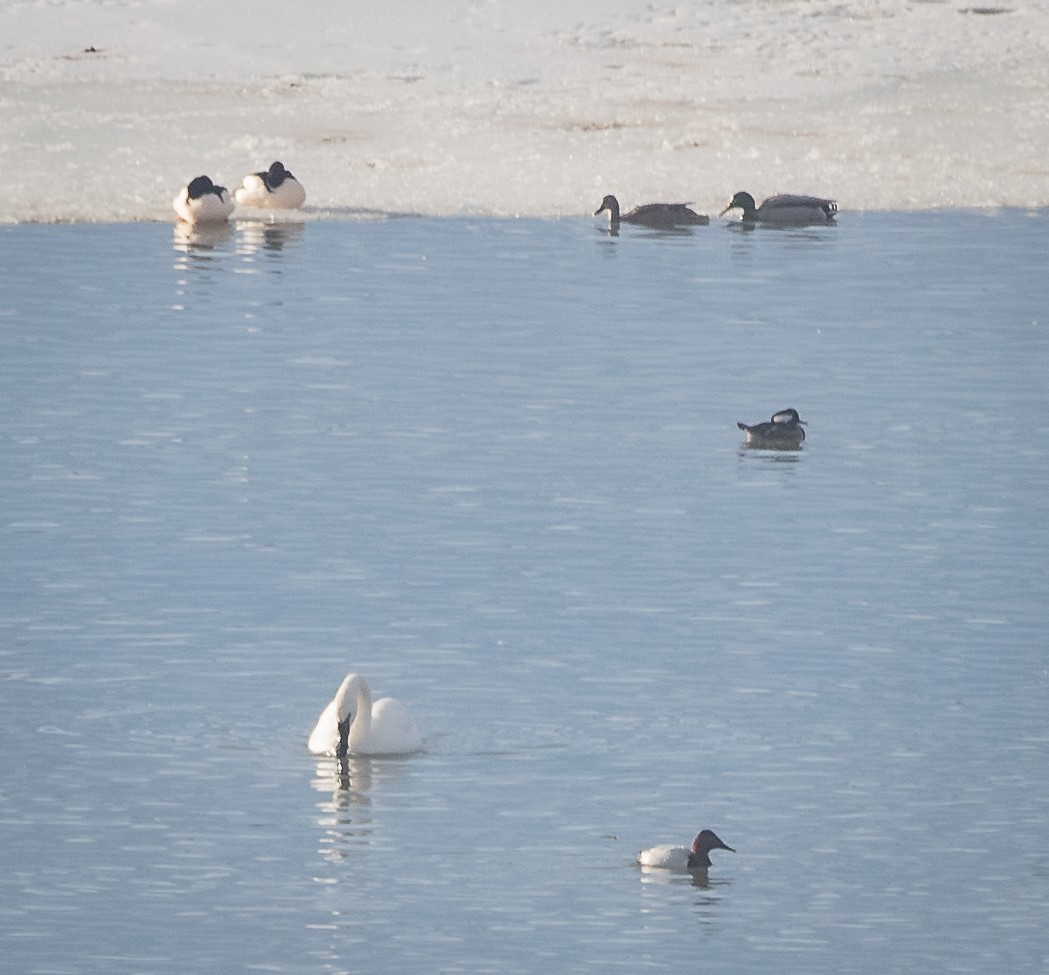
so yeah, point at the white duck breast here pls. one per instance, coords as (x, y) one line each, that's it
(202, 202)
(274, 189)
(352, 724)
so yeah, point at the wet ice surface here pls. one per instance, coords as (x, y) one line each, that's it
(493, 466)
(108, 109)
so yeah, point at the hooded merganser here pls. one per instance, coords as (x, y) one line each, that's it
(784, 430)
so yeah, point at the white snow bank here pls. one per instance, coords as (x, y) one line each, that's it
(534, 108)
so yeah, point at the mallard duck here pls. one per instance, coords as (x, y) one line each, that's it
(275, 189)
(784, 430)
(661, 216)
(671, 857)
(201, 201)
(788, 210)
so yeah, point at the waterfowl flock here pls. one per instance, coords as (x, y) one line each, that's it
(202, 202)
(785, 210)
(352, 723)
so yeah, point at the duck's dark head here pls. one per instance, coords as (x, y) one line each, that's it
(199, 186)
(611, 204)
(276, 175)
(705, 841)
(740, 201)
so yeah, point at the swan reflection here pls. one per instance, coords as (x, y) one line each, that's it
(347, 779)
(345, 816)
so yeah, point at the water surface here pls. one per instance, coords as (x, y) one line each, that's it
(494, 467)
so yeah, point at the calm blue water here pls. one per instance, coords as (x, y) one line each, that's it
(493, 466)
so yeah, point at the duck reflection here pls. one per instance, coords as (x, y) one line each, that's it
(612, 230)
(200, 239)
(695, 878)
(700, 879)
(802, 235)
(273, 237)
(770, 455)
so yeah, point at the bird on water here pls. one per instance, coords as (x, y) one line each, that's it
(670, 857)
(659, 216)
(783, 431)
(787, 210)
(352, 724)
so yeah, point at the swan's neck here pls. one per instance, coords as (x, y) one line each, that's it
(355, 715)
(362, 723)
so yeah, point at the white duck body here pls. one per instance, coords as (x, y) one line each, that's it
(274, 189)
(353, 722)
(666, 855)
(202, 202)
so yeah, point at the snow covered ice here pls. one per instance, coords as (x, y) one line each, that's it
(539, 109)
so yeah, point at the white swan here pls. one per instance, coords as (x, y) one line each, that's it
(671, 857)
(352, 725)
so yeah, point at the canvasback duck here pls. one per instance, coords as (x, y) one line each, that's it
(202, 201)
(788, 210)
(352, 724)
(671, 857)
(275, 188)
(783, 431)
(660, 216)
